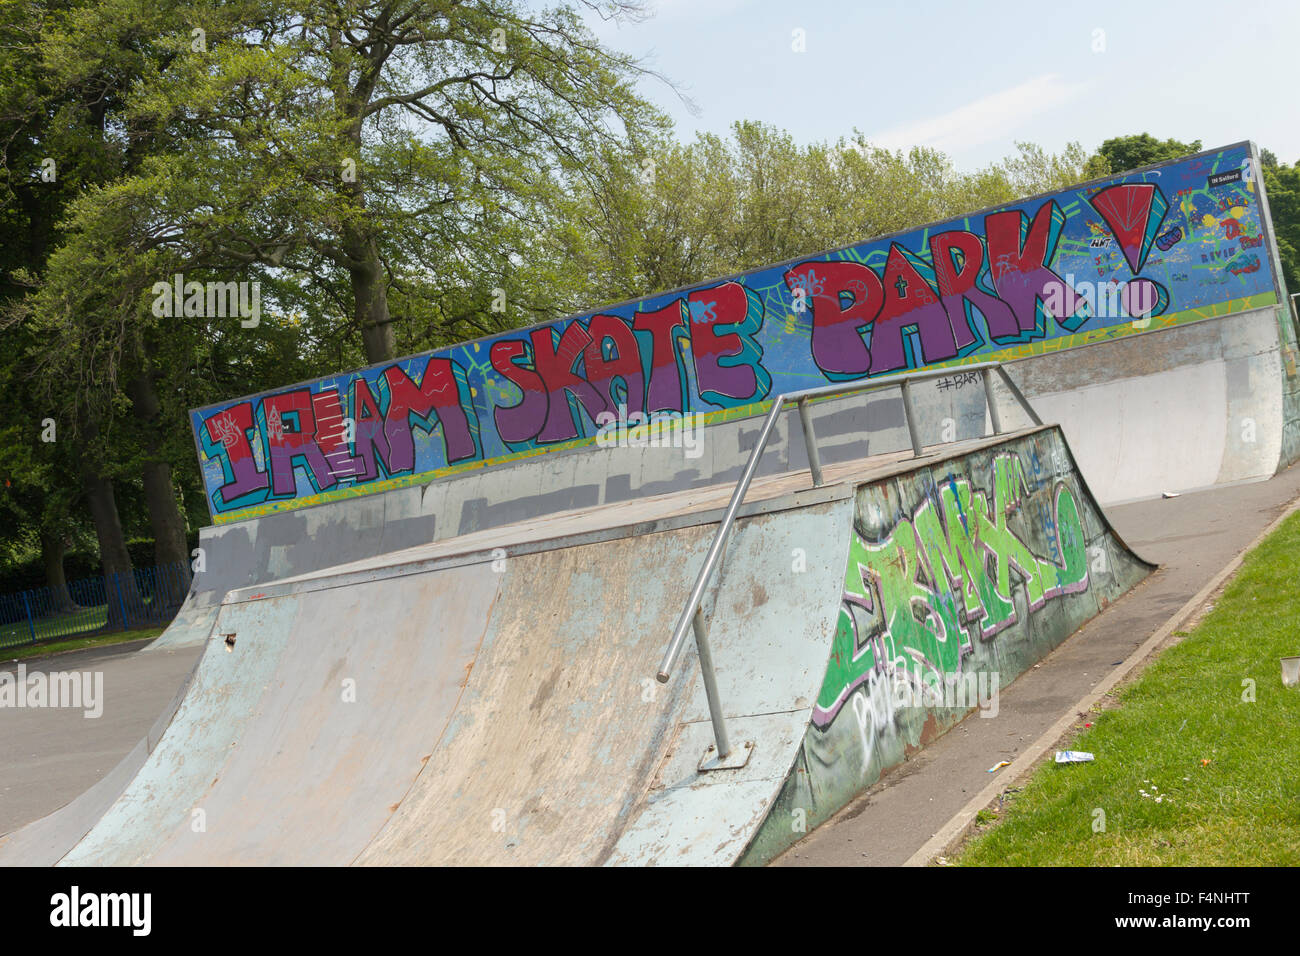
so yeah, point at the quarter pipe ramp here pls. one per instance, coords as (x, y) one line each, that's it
(489, 699)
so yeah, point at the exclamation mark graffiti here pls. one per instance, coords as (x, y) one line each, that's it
(1134, 213)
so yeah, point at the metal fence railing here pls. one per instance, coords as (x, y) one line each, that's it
(109, 602)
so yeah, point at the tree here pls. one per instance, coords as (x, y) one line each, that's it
(40, 486)
(63, 111)
(683, 213)
(345, 160)
(1282, 184)
(1033, 170)
(390, 148)
(1123, 153)
(36, 501)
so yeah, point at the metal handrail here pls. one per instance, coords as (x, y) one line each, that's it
(692, 616)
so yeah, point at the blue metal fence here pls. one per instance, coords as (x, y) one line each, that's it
(145, 596)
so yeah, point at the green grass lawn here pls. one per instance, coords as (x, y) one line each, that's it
(84, 620)
(1189, 771)
(28, 651)
(79, 621)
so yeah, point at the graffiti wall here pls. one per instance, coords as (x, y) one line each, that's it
(960, 576)
(1173, 244)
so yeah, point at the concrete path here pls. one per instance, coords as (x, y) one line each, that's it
(1192, 537)
(49, 756)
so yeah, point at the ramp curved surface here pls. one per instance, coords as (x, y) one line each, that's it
(489, 699)
(507, 700)
(341, 692)
(1173, 410)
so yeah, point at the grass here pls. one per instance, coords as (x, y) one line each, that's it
(28, 651)
(1189, 770)
(83, 619)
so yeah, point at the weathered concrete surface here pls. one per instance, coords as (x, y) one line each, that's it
(1176, 410)
(247, 553)
(568, 637)
(561, 734)
(41, 764)
(1191, 536)
(490, 700)
(934, 618)
(341, 693)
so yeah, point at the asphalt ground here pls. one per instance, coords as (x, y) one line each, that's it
(49, 755)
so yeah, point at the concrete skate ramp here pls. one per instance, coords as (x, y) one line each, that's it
(1170, 410)
(282, 545)
(467, 687)
(1177, 409)
(490, 700)
(270, 733)
(1173, 409)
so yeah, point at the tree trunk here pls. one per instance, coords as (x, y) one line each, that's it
(165, 518)
(52, 549)
(370, 299)
(124, 604)
(369, 281)
(171, 551)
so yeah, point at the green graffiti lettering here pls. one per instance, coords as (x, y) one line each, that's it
(920, 593)
(1071, 574)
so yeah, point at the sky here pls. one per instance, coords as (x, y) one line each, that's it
(974, 78)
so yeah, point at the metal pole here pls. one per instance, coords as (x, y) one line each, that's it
(719, 541)
(810, 439)
(31, 628)
(710, 684)
(121, 603)
(993, 402)
(1019, 396)
(909, 413)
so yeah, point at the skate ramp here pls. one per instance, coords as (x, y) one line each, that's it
(1195, 387)
(527, 685)
(490, 699)
(1171, 410)
(284, 545)
(1204, 392)
(1174, 410)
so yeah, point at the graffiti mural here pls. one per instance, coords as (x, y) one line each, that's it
(961, 575)
(916, 601)
(1173, 244)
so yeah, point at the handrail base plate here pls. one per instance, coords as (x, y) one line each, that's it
(738, 757)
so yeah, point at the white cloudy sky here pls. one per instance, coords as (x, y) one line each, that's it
(972, 78)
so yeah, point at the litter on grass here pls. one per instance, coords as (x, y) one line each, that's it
(1073, 756)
